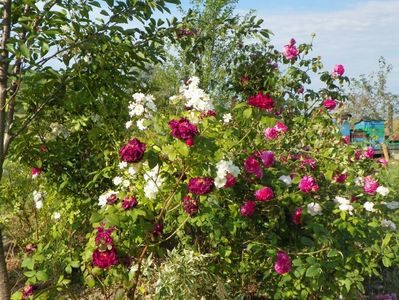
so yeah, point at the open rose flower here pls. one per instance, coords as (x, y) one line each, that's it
(290, 51)
(248, 208)
(369, 152)
(280, 127)
(283, 263)
(382, 161)
(103, 236)
(370, 185)
(182, 129)
(200, 186)
(27, 292)
(329, 104)
(230, 181)
(264, 194)
(129, 203)
(340, 178)
(133, 151)
(296, 216)
(36, 172)
(252, 166)
(267, 158)
(261, 101)
(271, 133)
(338, 70)
(308, 184)
(105, 259)
(190, 205)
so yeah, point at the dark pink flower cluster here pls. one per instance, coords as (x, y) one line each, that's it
(267, 158)
(30, 248)
(290, 51)
(36, 172)
(158, 229)
(338, 70)
(27, 292)
(296, 216)
(230, 181)
(112, 199)
(346, 139)
(370, 185)
(129, 202)
(105, 255)
(248, 208)
(252, 166)
(190, 205)
(133, 151)
(261, 101)
(264, 194)
(309, 162)
(200, 185)
(383, 162)
(340, 178)
(283, 263)
(369, 153)
(183, 130)
(308, 184)
(329, 104)
(103, 236)
(272, 133)
(207, 114)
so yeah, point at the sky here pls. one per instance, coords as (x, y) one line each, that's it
(354, 33)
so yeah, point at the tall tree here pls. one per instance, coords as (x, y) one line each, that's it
(50, 41)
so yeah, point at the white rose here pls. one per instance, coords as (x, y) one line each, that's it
(369, 206)
(314, 209)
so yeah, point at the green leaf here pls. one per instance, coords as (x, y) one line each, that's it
(42, 275)
(28, 263)
(386, 262)
(24, 50)
(386, 239)
(313, 271)
(247, 113)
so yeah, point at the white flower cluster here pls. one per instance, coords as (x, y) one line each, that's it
(344, 204)
(314, 209)
(223, 168)
(142, 106)
(153, 182)
(286, 179)
(196, 97)
(388, 224)
(102, 200)
(382, 190)
(56, 216)
(38, 198)
(227, 118)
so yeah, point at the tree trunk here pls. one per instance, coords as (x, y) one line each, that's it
(4, 287)
(390, 119)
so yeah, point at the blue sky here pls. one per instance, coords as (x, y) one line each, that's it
(354, 33)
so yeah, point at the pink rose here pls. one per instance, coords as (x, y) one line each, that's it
(370, 185)
(112, 199)
(182, 129)
(103, 236)
(129, 203)
(261, 101)
(105, 259)
(382, 161)
(248, 208)
(27, 292)
(271, 133)
(264, 194)
(190, 205)
(329, 104)
(309, 162)
(280, 127)
(200, 186)
(369, 152)
(230, 181)
(308, 184)
(290, 51)
(338, 70)
(296, 216)
(358, 154)
(283, 263)
(36, 172)
(267, 158)
(30, 248)
(346, 139)
(340, 178)
(252, 166)
(133, 151)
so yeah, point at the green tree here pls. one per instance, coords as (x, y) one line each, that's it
(50, 44)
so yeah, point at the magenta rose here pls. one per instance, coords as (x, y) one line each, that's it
(267, 158)
(248, 208)
(129, 202)
(358, 154)
(329, 104)
(283, 263)
(338, 70)
(271, 133)
(370, 185)
(105, 259)
(346, 139)
(310, 162)
(200, 186)
(133, 151)
(252, 166)
(190, 205)
(158, 229)
(296, 216)
(182, 129)
(230, 181)
(340, 178)
(27, 291)
(261, 101)
(30, 248)
(112, 199)
(36, 172)
(290, 51)
(382, 161)
(369, 152)
(103, 236)
(308, 184)
(280, 127)
(264, 194)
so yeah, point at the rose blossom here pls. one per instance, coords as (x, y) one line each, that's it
(105, 259)
(283, 263)
(103, 236)
(296, 216)
(158, 229)
(308, 184)
(314, 209)
(230, 181)
(248, 208)
(280, 127)
(36, 172)
(200, 186)
(340, 178)
(133, 151)
(267, 158)
(30, 248)
(129, 202)
(290, 51)
(369, 152)
(27, 291)
(252, 166)
(358, 154)
(309, 162)
(329, 104)
(369, 206)
(261, 101)
(346, 139)
(182, 129)
(383, 162)
(264, 194)
(338, 70)
(370, 185)
(271, 133)
(190, 205)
